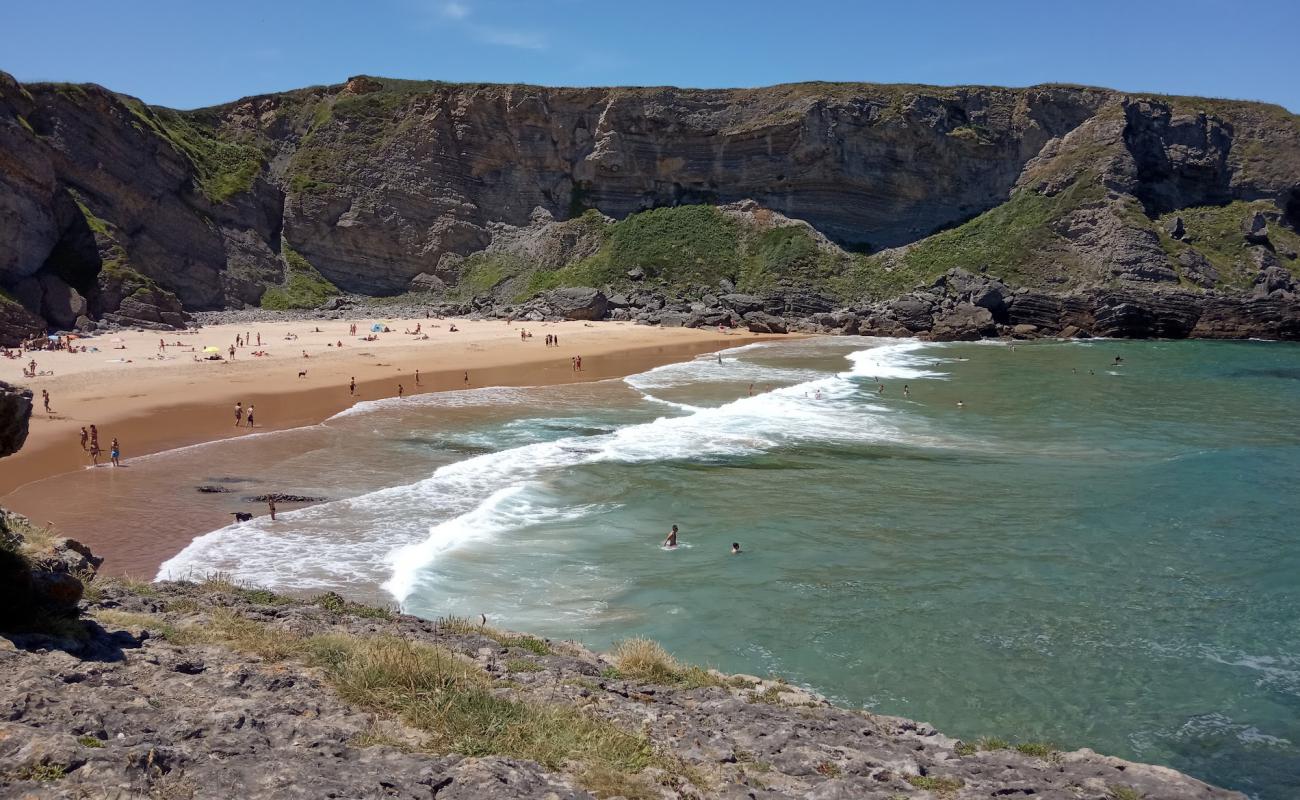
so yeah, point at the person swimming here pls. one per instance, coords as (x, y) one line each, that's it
(671, 541)
(735, 549)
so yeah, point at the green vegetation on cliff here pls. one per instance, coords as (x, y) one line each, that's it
(304, 286)
(224, 168)
(696, 247)
(1216, 232)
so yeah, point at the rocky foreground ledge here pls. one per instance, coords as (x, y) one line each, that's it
(181, 690)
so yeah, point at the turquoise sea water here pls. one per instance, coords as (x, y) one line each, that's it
(1083, 553)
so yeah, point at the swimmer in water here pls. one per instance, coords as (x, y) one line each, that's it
(960, 404)
(906, 392)
(735, 549)
(671, 541)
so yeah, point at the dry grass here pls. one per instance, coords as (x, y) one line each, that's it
(646, 660)
(449, 698)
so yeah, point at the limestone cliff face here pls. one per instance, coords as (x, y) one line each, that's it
(15, 411)
(377, 181)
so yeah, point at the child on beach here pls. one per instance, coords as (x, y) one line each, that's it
(115, 454)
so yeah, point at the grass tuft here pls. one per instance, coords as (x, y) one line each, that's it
(940, 786)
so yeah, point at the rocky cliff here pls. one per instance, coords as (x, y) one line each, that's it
(118, 210)
(215, 690)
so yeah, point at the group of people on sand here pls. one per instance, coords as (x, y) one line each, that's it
(90, 444)
(552, 340)
(670, 543)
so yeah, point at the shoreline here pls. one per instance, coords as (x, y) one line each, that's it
(154, 410)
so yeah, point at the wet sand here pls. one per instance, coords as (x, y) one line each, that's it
(153, 406)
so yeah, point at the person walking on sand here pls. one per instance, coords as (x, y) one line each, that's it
(577, 363)
(270, 503)
(467, 377)
(671, 541)
(85, 437)
(399, 391)
(239, 413)
(417, 377)
(115, 453)
(94, 437)
(45, 397)
(249, 418)
(94, 454)
(352, 386)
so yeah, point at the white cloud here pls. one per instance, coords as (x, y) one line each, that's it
(454, 10)
(525, 40)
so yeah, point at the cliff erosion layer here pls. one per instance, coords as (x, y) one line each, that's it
(133, 213)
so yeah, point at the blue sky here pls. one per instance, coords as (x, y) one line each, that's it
(185, 54)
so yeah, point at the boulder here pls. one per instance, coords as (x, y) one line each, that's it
(671, 319)
(427, 283)
(60, 303)
(913, 313)
(67, 556)
(582, 303)
(17, 324)
(742, 303)
(15, 409)
(762, 322)
(1254, 228)
(964, 322)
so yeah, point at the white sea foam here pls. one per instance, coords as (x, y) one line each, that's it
(897, 361)
(456, 398)
(385, 534)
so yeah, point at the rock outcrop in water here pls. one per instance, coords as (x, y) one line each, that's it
(118, 211)
(178, 690)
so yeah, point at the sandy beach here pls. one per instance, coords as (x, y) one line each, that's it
(152, 399)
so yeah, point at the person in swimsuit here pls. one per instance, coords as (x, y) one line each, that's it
(270, 503)
(239, 413)
(250, 414)
(671, 541)
(352, 386)
(115, 453)
(735, 549)
(85, 437)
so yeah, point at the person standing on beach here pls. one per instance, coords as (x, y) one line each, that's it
(352, 386)
(250, 414)
(467, 377)
(232, 352)
(94, 454)
(115, 453)
(671, 541)
(239, 413)
(270, 503)
(577, 363)
(417, 377)
(45, 397)
(399, 391)
(259, 338)
(94, 437)
(85, 437)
